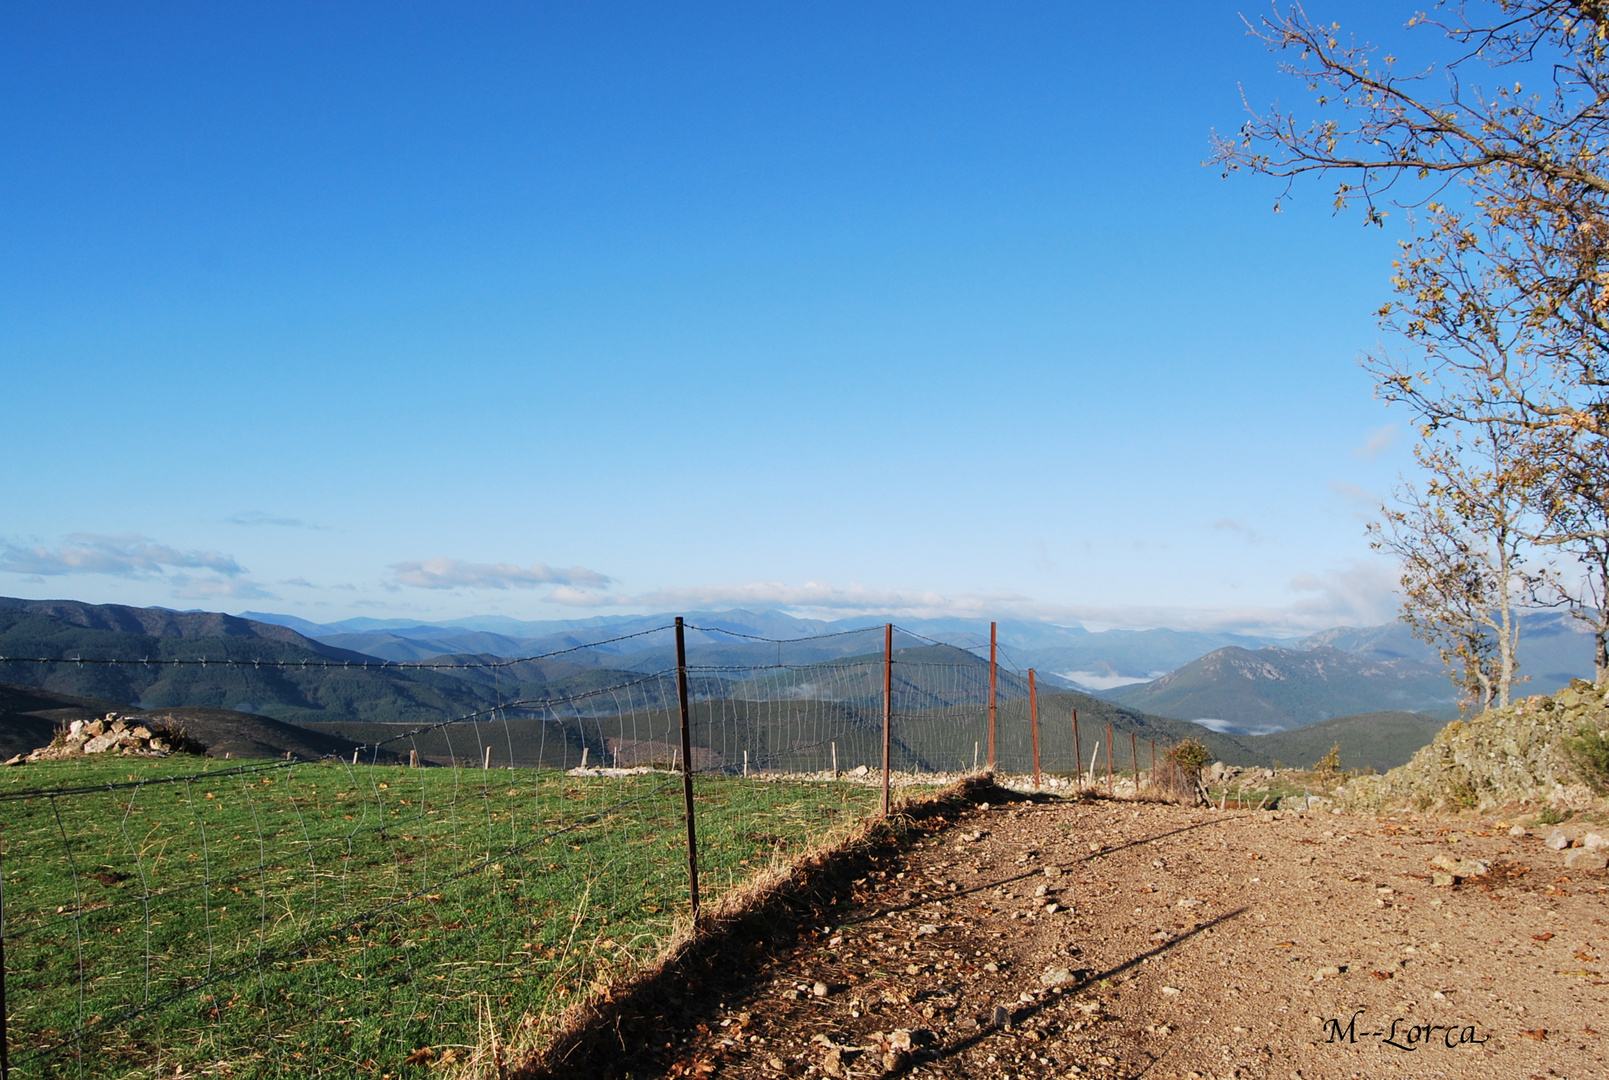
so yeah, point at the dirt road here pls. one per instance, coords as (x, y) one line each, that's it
(1113, 939)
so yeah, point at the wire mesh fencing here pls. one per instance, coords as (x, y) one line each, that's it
(380, 911)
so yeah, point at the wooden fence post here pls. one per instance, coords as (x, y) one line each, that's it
(687, 767)
(1110, 789)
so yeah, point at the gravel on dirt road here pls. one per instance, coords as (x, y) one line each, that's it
(1092, 938)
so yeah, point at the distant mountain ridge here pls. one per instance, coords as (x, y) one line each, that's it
(343, 702)
(1275, 689)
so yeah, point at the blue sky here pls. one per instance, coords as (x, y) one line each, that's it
(551, 311)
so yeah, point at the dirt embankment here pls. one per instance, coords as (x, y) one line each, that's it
(1111, 939)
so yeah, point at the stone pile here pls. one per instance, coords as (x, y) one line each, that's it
(1503, 757)
(112, 734)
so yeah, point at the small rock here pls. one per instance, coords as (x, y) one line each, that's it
(858, 770)
(1052, 871)
(832, 1062)
(1442, 880)
(100, 744)
(1001, 1017)
(141, 732)
(1052, 908)
(1326, 972)
(927, 929)
(1516, 831)
(820, 989)
(1170, 991)
(1056, 976)
(1595, 841)
(1585, 859)
(1460, 868)
(1558, 840)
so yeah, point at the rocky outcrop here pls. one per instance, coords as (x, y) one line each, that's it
(1503, 757)
(112, 734)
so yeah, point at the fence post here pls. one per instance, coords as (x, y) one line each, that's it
(1110, 790)
(1078, 756)
(5, 1039)
(687, 767)
(1033, 722)
(888, 704)
(1134, 760)
(992, 669)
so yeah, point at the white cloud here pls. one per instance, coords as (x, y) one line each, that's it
(213, 588)
(1360, 594)
(1365, 504)
(1377, 442)
(128, 555)
(443, 573)
(1363, 593)
(1241, 529)
(257, 517)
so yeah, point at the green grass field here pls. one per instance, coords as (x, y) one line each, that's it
(325, 919)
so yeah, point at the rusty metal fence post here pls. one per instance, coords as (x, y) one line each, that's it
(992, 669)
(1078, 755)
(1033, 723)
(888, 704)
(687, 767)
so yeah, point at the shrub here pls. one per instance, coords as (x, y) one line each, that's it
(1177, 776)
(1330, 763)
(1192, 756)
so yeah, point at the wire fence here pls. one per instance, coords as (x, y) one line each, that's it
(389, 907)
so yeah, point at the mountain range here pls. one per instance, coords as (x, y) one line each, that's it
(250, 711)
(1232, 684)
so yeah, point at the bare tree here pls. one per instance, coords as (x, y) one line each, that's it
(1502, 294)
(1575, 506)
(1524, 265)
(1434, 122)
(1462, 541)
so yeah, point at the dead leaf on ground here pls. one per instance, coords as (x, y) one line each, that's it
(1539, 1034)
